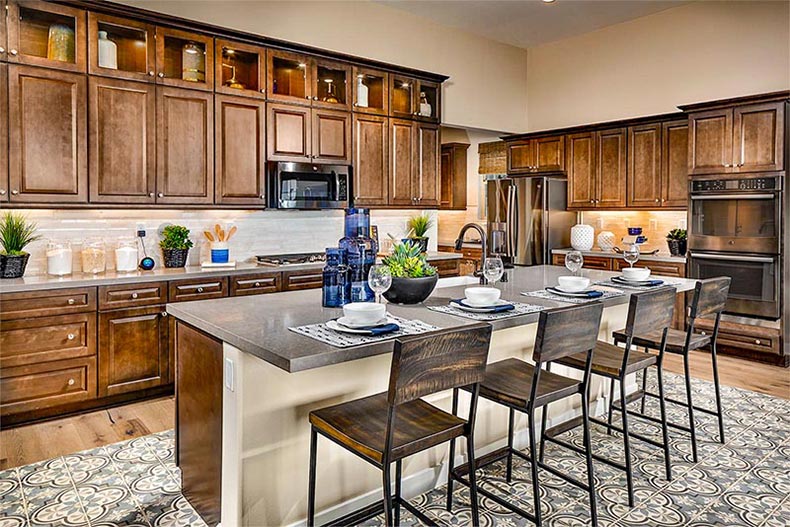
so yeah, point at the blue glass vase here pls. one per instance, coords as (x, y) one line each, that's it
(336, 287)
(361, 252)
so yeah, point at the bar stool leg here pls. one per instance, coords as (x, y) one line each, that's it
(543, 421)
(664, 429)
(611, 403)
(534, 464)
(510, 424)
(692, 428)
(719, 412)
(398, 468)
(385, 474)
(450, 480)
(588, 451)
(644, 390)
(629, 475)
(311, 484)
(470, 453)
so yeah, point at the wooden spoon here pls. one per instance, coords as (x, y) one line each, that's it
(231, 232)
(218, 230)
(209, 236)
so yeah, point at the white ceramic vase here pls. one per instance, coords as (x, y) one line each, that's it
(108, 52)
(362, 93)
(582, 237)
(606, 240)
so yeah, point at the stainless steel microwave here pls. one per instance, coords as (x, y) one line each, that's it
(308, 186)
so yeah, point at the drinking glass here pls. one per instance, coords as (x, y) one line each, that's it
(631, 255)
(574, 261)
(493, 269)
(379, 279)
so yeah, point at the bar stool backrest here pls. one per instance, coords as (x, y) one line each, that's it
(710, 296)
(440, 361)
(567, 331)
(650, 311)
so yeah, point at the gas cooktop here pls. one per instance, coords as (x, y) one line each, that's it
(279, 260)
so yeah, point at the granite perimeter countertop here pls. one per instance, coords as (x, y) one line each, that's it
(259, 324)
(660, 257)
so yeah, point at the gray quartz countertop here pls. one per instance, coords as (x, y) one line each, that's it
(44, 282)
(259, 324)
(660, 257)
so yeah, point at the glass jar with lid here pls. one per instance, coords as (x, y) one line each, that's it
(59, 257)
(93, 255)
(126, 258)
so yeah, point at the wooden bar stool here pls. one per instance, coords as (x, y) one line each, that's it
(523, 387)
(385, 428)
(647, 312)
(710, 297)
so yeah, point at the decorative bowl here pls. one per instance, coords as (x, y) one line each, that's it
(636, 273)
(410, 290)
(482, 296)
(364, 312)
(573, 284)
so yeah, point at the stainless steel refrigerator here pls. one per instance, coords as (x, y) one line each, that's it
(527, 217)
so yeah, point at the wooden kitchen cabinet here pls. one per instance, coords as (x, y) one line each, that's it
(371, 160)
(184, 146)
(331, 84)
(122, 141)
(674, 163)
(3, 32)
(289, 77)
(542, 154)
(28, 26)
(240, 69)
(580, 163)
(644, 165)
(135, 43)
(305, 279)
(197, 289)
(710, 142)
(402, 162)
(256, 284)
(610, 163)
(378, 85)
(331, 136)
(432, 92)
(427, 184)
(289, 130)
(44, 339)
(47, 135)
(133, 350)
(3, 131)
(453, 176)
(173, 47)
(240, 142)
(402, 97)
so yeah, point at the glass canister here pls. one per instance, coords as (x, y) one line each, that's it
(126, 258)
(59, 257)
(60, 43)
(361, 252)
(193, 63)
(94, 256)
(336, 287)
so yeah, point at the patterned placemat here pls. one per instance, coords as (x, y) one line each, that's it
(519, 309)
(346, 340)
(608, 283)
(548, 295)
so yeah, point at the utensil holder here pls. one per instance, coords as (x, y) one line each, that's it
(219, 252)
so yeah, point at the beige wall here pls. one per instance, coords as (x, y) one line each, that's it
(487, 79)
(696, 52)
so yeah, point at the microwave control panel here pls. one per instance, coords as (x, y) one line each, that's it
(713, 185)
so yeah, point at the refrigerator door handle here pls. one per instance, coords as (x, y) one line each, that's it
(513, 221)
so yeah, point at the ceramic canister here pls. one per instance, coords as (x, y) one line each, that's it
(606, 240)
(582, 237)
(219, 252)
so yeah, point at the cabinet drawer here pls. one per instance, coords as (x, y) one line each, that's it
(472, 254)
(47, 303)
(255, 284)
(44, 339)
(659, 268)
(601, 263)
(39, 386)
(198, 289)
(132, 295)
(742, 337)
(447, 267)
(296, 280)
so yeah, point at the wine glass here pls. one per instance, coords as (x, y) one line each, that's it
(493, 269)
(574, 261)
(631, 255)
(379, 279)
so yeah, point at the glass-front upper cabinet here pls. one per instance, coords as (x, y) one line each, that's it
(331, 84)
(289, 77)
(184, 59)
(119, 47)
(3, 33)
(240, 69)
(371, 91)
(427, 101)
(402, 96)
(45, 34)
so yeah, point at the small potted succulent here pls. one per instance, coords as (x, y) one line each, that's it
(413, 278)
(677, 241)
(418, 228)
(15, 234)
(175, 244)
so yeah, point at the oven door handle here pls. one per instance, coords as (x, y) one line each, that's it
(732, 196)
(733, 258)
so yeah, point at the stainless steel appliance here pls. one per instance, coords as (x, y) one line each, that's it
(527, 217)
(280, 260)
(308, 186)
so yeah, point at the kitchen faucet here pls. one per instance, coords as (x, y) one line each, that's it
(459, 242)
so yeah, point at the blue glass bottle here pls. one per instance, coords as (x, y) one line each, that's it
(361, 253)
(336, 287)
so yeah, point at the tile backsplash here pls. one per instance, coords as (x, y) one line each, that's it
(655, 225)
(259, 232)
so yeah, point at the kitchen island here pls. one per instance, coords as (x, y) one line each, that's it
(246, 383)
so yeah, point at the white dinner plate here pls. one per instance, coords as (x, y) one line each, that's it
(564, 290)
(345, 321)
(486, 309)
(622, 277)
(576, 294)
(334, 326)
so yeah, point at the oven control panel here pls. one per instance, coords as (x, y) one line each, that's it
(713, 185)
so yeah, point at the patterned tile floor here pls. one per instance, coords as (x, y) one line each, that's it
(745, 482)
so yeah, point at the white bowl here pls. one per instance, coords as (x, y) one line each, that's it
(482, 296)
(573, 284)
(636, 273)
(364, 312)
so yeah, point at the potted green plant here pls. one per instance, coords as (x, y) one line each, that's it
(175, 244)
(418, 228)
(677, 241)
(15, 234)
(413, 278)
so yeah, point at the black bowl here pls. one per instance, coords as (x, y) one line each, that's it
(410, 290)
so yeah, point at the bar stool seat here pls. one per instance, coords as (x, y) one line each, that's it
(676, 340)
(607, 360)
(509, 382)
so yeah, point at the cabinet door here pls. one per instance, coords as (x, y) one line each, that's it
(289, 77)
(3, 32)
(47, 135)
(184, 146)
(611, 168)
(184, 59)
(427, 101)
(240, 138)
(134, 44)
(288, 133)
(759, 137)
(581, 170)
(446, 174)
(371, 160)
(402, 97)
(3, 131)
(133, 350)
(644, 165)
(710, 142)
(331, 136)
(371, 91)
(402, 162)
(674, 163)
(29, 26)
(428, 178)
(331, 85)
(240, 69)
(520, 156)
(549, 153)
(122, 139)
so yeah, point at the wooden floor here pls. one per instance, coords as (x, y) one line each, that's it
(28, 444)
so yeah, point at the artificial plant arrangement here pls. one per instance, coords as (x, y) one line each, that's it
(418, 227)
(175, 244)
(15, 234)
(413, 278)
(677, 240)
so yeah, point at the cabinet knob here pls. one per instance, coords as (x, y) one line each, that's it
(315, 97)
(702, 332)
(262, 196)
(70, 336)
(257, 284)
(663, 200)
(151, 73)
(71, 382)
(71, 301)
(15, 192)
(13, 52)
(592, 201)
(161, 75)
(658, 200)
(355, 105)
(164, 313)
(150, 194)
(134, 295)
(2, 192)
(307, 97)
(739, 165)
(263, 90)
(757, 341)
(161, 194)
(2, 49)
(199, 289)
(726, 165)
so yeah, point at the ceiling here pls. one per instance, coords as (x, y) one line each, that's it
(528, 23)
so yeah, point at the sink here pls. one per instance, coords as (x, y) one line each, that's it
(455, 281)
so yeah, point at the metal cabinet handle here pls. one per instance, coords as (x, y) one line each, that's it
(307, 97)
(703, 333)
(658, 200)
(161, 195)
(161, 75)
(2, 49)
(151, 73)
(262, 196)
(71, 301)
(257, 284)
(71, 382)
(263, 90)
(134, 295)
(15, 192)
(739, 165)
(315, 97)
(70, 336)
(164, 313)
(13, 52)
(199, 289)
(757, 341)
(150, 194)
(2, 192)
